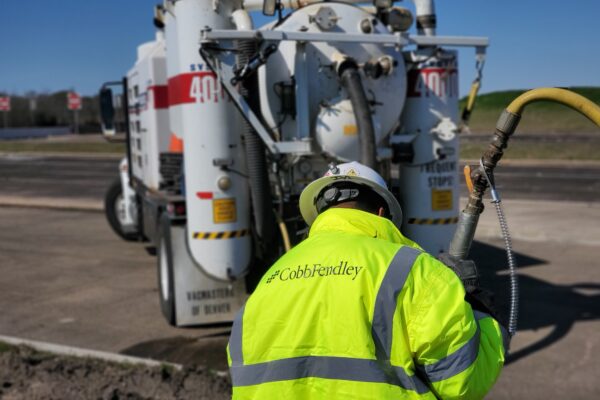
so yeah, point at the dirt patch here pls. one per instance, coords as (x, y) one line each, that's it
(29, 374)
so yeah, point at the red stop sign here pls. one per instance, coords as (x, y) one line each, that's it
(5, 103)
(73, 101)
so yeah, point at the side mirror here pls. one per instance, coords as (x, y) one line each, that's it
(107, 112)
(269, 7)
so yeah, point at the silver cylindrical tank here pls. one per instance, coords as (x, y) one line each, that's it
(429, 185)
(218, 215)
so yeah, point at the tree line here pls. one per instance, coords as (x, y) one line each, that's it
(50, 109)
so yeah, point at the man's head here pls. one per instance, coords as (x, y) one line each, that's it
(350, 185)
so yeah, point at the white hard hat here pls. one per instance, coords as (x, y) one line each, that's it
(352, 172)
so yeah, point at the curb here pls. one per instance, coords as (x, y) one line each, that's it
(85, 353)
(52, 203)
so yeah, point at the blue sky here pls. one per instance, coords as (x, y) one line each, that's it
(68, 44)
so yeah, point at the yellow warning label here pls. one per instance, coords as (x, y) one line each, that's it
(441, 200)
(350, 130)
(221, 235)
(224, 211)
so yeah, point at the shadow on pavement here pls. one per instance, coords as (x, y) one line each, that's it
(541, 304)
(208, 350)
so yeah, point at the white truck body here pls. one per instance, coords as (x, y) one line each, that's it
(188, 85)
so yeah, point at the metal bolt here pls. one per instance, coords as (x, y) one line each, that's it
(333, 168)
(224, 183)
(366, 26)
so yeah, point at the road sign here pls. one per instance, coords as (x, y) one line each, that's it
(73, 101)
(5, 103)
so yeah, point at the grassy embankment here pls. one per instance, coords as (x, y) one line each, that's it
(540, 119)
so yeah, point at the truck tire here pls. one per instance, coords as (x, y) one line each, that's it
(164, 262)
(113, 208)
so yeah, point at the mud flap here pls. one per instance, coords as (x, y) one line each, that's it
(200, 299)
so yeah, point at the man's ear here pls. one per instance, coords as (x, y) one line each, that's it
(381, 212)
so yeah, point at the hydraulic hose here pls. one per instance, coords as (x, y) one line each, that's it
(466, 114)
(562, 96)
(505, 127)
(285, 236)
(510, 117)
(352, 82)
(483, 176)
(260, 187)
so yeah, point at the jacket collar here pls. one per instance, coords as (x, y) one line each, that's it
(359, 222)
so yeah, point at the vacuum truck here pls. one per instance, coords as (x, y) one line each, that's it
(226, 123)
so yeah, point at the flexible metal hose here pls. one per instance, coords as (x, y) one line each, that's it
(260, 187)
(512, 266)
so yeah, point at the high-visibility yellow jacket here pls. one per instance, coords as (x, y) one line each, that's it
(358, 311)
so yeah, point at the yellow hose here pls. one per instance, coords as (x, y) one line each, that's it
(284, 232)
(562, 96)
(473, 95)
(285, 236)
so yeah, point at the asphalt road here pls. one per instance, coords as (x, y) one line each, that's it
(68, 279)
(89, 177)
(43, 176)
(564, 183)
(33, 133)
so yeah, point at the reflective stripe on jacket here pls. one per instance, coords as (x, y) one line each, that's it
(358, 311)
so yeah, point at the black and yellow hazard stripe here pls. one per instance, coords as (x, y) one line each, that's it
(433, 221)
(220, 235)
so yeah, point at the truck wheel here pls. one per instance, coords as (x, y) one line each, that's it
(114, 208)
(164, 257)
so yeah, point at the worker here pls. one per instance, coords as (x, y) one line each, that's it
(359, 311)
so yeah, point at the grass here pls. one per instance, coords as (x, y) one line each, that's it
(167, 370)
(34, 146)
(4, 347)
(543, 117)
(537, 151)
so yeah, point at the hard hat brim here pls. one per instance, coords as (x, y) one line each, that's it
(308, 209)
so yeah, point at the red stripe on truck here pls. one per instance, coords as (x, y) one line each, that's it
(160, 96)
(204, 195)
(195, 87)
